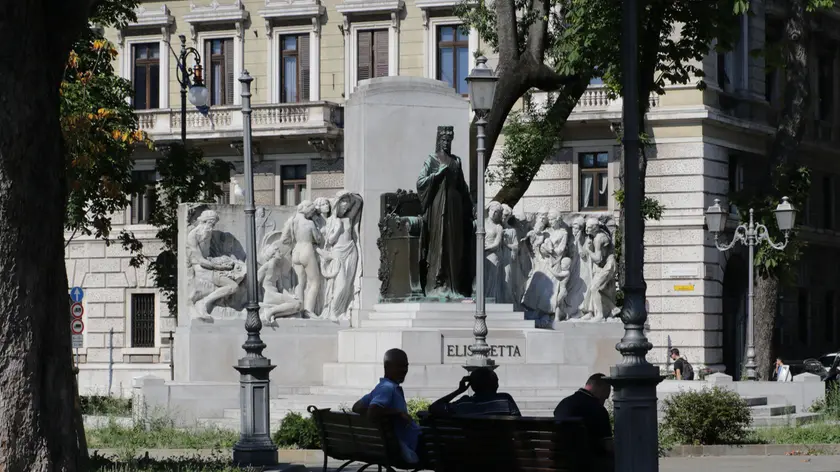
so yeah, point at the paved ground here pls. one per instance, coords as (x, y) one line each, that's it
(717, 464)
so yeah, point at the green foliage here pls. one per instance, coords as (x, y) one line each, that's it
(185, 177)
(99, 127)
(819, 433)
(707, 416)
(796, 183)
(158, 433)
(416, 405)
(651, 208)
(743, 6)
(297, 432)
(101, 405)
(829, 405)
(219, 462)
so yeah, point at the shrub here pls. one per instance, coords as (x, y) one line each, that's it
(828, 405)
(820, 433)
(297, 431)
(105, 405)
(416, 405)
(158, 433)
(707, 416)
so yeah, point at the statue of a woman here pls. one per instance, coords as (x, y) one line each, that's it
(276, 302)
(599, 301)
(540, 288)
(494, 269)
(341, 260)
(303, 236)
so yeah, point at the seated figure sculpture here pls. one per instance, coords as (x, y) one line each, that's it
(212, 278)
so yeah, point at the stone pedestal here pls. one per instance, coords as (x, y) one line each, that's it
(391, 125)
(206, 352)
(437, 336)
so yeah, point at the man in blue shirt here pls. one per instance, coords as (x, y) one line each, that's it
(388, 400)
(486, 399)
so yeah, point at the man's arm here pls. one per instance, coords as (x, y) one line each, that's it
(439, 405)
(380, 407)
(361, 406)
(678, 370)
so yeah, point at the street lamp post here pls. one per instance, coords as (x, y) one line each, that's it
(751, 234)
(198, 94)
(254, 446)
(634, 379)
(482, 88)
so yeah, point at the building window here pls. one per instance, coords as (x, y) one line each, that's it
(723, 80)
(146, 77)
(802, 315)
(829, 317)
(594, 180)
(143, 202)
(372, 54)
(293, 184)
(825, 86)
(219, 70)
(828, 202)
(453, 56)
(142, 320)
(294, 68)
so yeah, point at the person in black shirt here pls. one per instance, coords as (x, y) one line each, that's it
(679, 364)
(486, 399)
(587, 405)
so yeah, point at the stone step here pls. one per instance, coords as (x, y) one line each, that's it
(755, 401)
(490, 308)
(444, 323)
(794, 419)
(431, 393)
(443, 316)
(772, 410)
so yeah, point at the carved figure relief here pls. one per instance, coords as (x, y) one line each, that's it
(494, 255)
(303, 235)
(340, 256)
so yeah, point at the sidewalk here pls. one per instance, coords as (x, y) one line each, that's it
(716, 464)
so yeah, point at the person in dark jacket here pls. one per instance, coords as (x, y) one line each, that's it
(587, 405)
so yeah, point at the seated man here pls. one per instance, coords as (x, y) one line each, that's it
(485, 400)
(587, 405)
(387, 400)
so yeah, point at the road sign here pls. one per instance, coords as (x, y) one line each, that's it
(77, 310)
(77, 294)
(77, 327)
(77, 341)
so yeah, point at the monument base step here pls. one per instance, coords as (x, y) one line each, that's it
(443, 316)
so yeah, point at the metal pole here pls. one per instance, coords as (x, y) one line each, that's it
(171, 356)
(110, 359)
(182, 63)
(751, 242)
(479, 350)
(254, 447)
(634, 379)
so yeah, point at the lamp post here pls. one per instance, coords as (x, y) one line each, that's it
(634, 379)
(482, 87)
(254, 446)
(751, 234)
(198, 94)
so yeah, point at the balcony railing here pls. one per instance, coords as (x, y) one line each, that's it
(595, 99)
(279, 119)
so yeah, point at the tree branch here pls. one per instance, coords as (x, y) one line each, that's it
(538, 31)
(506, 30)
(547, 79)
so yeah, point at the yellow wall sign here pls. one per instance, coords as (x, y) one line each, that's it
(684, 288)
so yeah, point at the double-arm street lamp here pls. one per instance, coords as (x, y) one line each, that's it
(190, 80)
(482, 88)
(751, 234)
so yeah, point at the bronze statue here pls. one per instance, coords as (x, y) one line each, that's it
(447, 246)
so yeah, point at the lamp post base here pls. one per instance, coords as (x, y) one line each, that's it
(255, 447)
(634, 402)
(474, 363)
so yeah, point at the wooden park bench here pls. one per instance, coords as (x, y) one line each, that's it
(504, 443)
(353, 438)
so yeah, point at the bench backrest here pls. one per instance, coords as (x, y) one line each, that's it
(346, 436)
(505, 443)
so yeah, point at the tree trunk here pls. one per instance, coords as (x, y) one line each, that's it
(764, 319)
(37, 391)
(784, 157)
(512, 192)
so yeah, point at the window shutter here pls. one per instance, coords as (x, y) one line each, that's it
(206, 66)
(380, 53)
(230, 80)
(363, 57)
(303, 58)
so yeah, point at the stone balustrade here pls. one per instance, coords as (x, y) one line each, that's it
(276, 119)
(596, 98)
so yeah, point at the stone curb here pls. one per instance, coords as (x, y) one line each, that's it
(754, 450)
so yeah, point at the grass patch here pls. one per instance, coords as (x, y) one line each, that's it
(179, 464)
(158, 434)
(100, 405)
(816, 433)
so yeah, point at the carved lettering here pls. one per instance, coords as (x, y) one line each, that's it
(496, 350)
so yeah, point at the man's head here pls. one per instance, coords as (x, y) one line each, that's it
(592, 226)
(779, 361)
(445, 135)
(484, 381)
(396, 365)
(598, 387)
(675, 354)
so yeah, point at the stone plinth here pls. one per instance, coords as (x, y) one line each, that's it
(437, 336)
(391, 125)
(299, 348)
